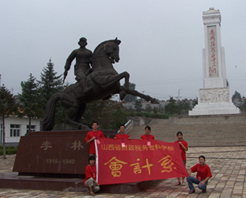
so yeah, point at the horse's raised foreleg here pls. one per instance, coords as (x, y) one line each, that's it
(136, 93)
(111, 80)
(126, 86)
(127, 76)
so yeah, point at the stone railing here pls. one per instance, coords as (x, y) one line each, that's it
(128, 126)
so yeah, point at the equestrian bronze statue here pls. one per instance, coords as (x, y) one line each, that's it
(101, 82)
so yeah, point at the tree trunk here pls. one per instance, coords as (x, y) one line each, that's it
(4, 150)
(29, 124)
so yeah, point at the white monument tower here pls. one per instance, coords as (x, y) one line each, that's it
(215, 97)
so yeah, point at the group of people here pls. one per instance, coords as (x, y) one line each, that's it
(203, 170)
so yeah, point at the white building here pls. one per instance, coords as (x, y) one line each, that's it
(16, 127)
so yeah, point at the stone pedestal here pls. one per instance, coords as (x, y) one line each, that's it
(54, 154)
(215, 97)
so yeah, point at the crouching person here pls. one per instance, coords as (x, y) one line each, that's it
(202, 176)
(90, 176)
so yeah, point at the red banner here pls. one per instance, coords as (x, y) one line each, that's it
(136, 161)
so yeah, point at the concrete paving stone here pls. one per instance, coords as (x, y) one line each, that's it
(225, 195)
(237, 192)
(230, 184)
(238, 187)
(214, 195)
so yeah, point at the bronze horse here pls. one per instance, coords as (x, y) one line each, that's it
(101, 83)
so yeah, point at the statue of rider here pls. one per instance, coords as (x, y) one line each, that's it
(83, 62)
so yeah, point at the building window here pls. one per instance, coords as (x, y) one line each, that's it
(14, 130)
(32, 128)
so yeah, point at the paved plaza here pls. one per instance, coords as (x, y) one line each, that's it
(228, 165)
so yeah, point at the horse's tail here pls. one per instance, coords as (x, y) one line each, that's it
(49, 119)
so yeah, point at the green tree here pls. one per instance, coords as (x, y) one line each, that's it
(155, 110)
(61, 114)
(161, 109)
(195, 102)
(243, 106)
(171, 107)
(148, 108)
(184, 106)
(129, 97)
(29, 99)
(108, 113)
(7, 107)
(138, 105)
(237, 99)
(50, 83)
(237, 95)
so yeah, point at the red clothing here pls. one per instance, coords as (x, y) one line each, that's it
(90, 171)
(183, 153)
(147, 137)
(91, 134)
(125, 136)
(202, 171)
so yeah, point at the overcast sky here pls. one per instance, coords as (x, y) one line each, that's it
(161, 46)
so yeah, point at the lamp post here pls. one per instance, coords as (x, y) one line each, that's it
(179, 94)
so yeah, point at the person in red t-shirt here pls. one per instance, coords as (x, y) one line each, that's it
(147, 135)
(202, 176)
(90, 176)
(93, 135)
(183, 148)
(122, 134)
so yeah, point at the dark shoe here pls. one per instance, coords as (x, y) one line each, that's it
(204, 191)
(192, 191)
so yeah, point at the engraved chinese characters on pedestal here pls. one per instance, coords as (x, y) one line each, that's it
(45, 145)
(76, 145)
(214, 95)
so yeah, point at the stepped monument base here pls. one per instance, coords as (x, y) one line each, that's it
(214, 101)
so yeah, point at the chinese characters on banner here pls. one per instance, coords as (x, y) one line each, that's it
(137, 161)
(213, 59)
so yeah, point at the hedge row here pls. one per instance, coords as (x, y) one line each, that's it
(9, 150)
(147, 115)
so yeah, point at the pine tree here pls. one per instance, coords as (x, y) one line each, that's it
(30, 99)
(7, 107)
(50, 83)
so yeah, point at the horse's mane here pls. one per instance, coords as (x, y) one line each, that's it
(102, 45)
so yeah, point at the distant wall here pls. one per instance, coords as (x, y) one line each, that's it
(209, 130)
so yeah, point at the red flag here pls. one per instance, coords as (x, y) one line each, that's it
(136, 160)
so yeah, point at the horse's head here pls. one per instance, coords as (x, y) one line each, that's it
(111, 48)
